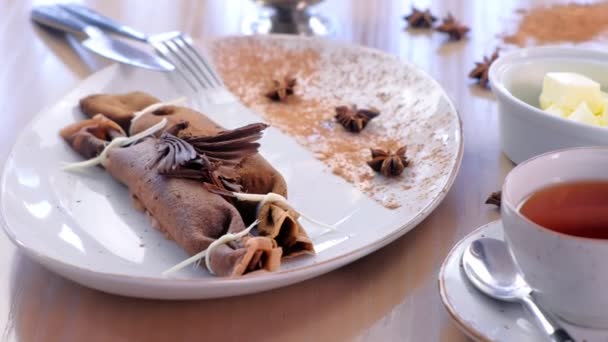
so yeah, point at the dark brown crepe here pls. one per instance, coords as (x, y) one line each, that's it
(184, 209)
(279, 221)
(89, 137)
(118, 108)
(255, 173)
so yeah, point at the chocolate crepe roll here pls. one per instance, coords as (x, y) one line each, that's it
(190, 214)
(118, 108)
(182, 208)
(277, 221)
(89, 137)
(280, 222)
(255, 174)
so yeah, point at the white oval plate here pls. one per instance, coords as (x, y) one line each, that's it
(485, 319)
(82, 225)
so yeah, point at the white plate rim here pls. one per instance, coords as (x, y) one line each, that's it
(296, 274)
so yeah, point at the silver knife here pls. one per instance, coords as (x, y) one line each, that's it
(96, 41)
(106, 24)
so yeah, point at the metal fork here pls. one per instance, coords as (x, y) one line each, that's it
(176, 47)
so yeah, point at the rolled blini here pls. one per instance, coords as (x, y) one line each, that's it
(255, 174)
(184, 209)
(118, 108)
(89, 137)
(280, 222)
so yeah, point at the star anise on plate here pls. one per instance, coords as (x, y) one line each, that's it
(280, 90)
(354, 119)
(420, 19)
(480, 72)
(387, 163)
(454, 29)
(495, 198)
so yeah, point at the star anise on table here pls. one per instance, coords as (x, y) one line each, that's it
(420, 19)
(387, 163)
(454, 29)
(280, 90)
(353, 119)
(495, 198)
(480, 72)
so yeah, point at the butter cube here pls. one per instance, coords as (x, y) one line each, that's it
(583, 114)
(567, 90)
(604, 117)
(545, 102)
(557, 111)
(603, 120)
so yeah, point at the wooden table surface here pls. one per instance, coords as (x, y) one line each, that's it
(391, 295)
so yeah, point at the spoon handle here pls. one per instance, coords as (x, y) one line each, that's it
(549, 326)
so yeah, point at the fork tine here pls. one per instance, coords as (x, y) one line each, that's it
(195, 68)
(184, 48)
(170, 44)
(166, 53)
(201, 60)
(187, 66)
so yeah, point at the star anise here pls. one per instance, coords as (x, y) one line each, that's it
(454, 29)
(480, 72)
(495, 198)
(354, 119)
(280, 90)
(387, 163)
(420, 19)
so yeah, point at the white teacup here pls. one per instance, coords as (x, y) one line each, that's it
(568, 273)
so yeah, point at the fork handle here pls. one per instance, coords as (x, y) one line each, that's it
(104, 23)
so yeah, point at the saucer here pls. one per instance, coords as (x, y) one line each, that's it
(485, 319)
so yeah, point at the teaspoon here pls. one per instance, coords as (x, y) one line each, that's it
(491, 269)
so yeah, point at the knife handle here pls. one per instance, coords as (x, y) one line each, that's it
(56, 18)
(103, 22)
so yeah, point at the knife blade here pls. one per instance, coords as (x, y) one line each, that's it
(96, 41)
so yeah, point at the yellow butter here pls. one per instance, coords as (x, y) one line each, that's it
(557, 111)
(567, 90)
(603, 118)
(583, 114)
(545, 102)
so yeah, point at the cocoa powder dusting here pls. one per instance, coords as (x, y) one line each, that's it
(327, 79)
(575, 23)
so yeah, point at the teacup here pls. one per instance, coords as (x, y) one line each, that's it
(568, 273)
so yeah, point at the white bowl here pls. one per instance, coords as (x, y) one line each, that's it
(516, 79)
